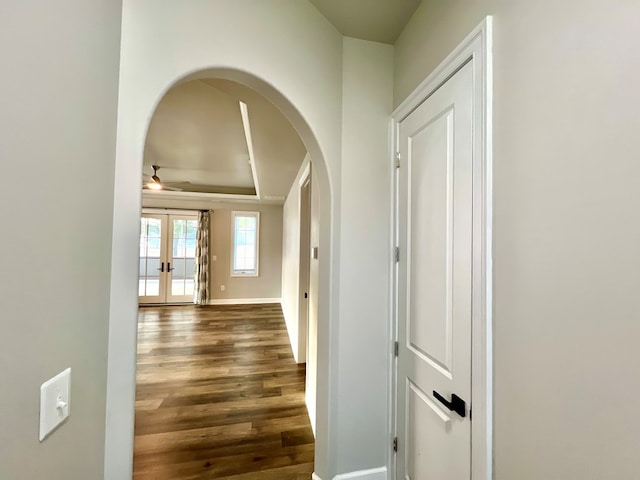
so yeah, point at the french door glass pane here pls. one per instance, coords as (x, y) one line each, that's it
(149, 270)
(183, 258)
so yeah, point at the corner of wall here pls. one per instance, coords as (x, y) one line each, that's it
(290, 319)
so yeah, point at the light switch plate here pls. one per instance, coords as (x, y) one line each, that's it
(55, 402)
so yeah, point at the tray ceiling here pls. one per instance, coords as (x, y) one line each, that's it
(198, 139)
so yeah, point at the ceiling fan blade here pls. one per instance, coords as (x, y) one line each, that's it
(166, 188)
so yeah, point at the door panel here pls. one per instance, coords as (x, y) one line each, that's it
(427, 457)
(181, 269)
(151, 278)
(434, 284)
(429, 238)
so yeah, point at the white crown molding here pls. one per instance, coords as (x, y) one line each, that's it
(169, 211)
(198, 197)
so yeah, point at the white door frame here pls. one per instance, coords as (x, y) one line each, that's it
(304, 259)
(169, 297)
(162, 279)
(477, 49)
(165, 297)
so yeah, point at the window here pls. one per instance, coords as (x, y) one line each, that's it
(245, 236)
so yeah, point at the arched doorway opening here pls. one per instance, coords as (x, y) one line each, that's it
(122, 338)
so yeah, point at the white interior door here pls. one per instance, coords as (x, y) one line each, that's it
(435, 285)
(167, 258)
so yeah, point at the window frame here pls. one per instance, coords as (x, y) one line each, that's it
(245, 273)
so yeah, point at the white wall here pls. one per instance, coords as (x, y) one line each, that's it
(59, 87)
(291, 263)
(311, 387)
(566, 235)
(365, 250)
(286, 51)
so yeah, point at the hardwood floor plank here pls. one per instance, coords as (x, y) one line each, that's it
(219, 396)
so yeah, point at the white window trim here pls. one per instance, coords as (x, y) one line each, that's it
(235, 214)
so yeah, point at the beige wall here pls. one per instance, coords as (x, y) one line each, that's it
(59, 87)
(268, 282)
(566, 235)
(267, 285)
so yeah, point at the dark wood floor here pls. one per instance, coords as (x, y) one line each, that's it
(219, 396)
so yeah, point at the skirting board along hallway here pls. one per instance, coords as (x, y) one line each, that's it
(242, 301)
(370, 474)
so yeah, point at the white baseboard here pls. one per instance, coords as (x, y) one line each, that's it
(371, 474)
(292, 340)
(242, 301)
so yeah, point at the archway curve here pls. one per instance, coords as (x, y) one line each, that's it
(276, 97)
(121, 384)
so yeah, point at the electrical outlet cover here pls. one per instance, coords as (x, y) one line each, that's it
(55, 404)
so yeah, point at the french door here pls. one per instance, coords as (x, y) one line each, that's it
(167, 258)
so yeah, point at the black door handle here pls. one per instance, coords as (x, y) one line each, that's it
(169, 269)
(161, 267)
(455, 405)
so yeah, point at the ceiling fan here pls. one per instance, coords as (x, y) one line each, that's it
(155, 183)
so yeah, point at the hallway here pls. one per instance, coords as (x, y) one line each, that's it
(219, 396)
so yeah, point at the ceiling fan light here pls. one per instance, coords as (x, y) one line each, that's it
(154, 186)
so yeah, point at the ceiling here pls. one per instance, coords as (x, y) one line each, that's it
(375, 20)
(207, 143)
(200, 140)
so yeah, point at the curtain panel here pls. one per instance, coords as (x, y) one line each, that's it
(201, 291)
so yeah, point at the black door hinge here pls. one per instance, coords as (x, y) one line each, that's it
(396, 348)
(395, 444)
